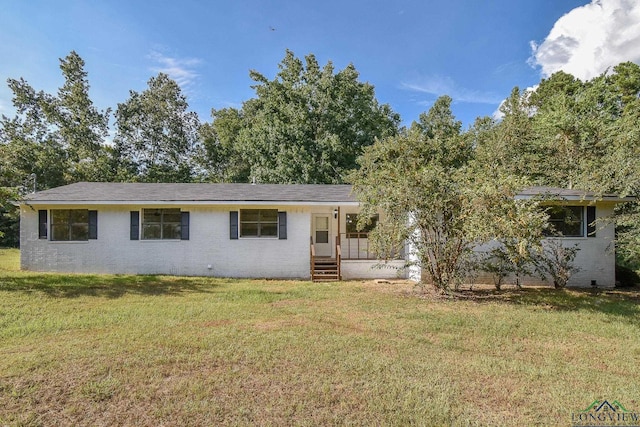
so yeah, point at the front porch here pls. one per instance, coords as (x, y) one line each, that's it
(353, 259)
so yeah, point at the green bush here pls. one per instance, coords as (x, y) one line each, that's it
(626, 277)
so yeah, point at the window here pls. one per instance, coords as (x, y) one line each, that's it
(258, 223)
(567, 221)
(352, 224)
(322, 229)
(161, 224)
(69, 225)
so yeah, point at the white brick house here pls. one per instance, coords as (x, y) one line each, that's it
(259, 231)
(225, 230)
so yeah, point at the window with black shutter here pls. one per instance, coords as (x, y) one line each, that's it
(42, 224)
(93, 225)
(184, 225)
(591, 221)
(282, 225)
(134, 231)
(233, 225)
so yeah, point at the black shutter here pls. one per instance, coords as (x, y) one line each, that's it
(93, 224)
(591, 221)
(135, 225)
(282, 225)
(233, 225)
(184, 225)
(42, 224)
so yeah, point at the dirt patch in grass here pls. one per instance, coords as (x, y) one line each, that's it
(279, 324)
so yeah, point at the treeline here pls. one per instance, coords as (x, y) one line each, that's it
(308, 125)
(311, 124)
(573, 134)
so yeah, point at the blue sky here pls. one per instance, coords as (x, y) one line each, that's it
(411, 51)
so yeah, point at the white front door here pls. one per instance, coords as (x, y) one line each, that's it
(322, 234)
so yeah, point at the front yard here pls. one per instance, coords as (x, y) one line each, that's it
(156, 350)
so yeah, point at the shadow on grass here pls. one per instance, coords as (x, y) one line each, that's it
(106, 286)
(623, 302)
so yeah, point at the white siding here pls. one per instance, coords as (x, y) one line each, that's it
(209, 252)
(595, 259)
(371, 269)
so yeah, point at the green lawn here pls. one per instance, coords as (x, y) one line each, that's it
(156, 350)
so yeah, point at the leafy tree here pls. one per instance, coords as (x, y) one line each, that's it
(83, 129)
(156, 136)
(556, 262)
(572, 125)
(56, 138)
(510, 145)
(221, 158)
(626, 82)
(435, 196)
(621, 175)
(558, 129)
(29, 142)
(589, 133)
(9, 217)
(28, 146)
(559, 82)
(59, 137)
(518, 227)
(307, 125)
(414, 178)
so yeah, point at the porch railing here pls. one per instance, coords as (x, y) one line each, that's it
(356, 246)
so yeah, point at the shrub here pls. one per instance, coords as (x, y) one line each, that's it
(626, 277)
(556, 262)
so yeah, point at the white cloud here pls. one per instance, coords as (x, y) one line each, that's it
(182, 70)
(591, 38)
(438, 86)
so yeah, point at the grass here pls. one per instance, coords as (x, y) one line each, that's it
(157, 350)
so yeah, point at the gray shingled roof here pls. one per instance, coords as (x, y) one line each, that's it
(151, 192)
(92, 192)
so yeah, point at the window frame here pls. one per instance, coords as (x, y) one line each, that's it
(554, 231)
(69, 224)
(260, 224)
(161, 224)
(349, 223)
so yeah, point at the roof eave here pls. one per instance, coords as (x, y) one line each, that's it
(574, 198)
(188, 202)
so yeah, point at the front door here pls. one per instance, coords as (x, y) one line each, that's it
(322, 234)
